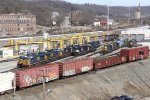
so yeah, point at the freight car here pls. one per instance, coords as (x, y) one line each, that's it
(125, 55)
(32, 76)
(75, 67)
(136, 53)
(6, 82)
(35, 75)
(108, 62)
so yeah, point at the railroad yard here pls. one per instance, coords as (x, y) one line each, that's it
(130, 79)
(98, 69)
(74, 50)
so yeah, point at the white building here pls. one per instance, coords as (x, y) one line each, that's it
(110, 22)
(54, 17)
(138, 33)
(97, 23)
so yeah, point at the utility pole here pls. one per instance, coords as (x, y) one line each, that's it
(28, 44)
(14, 88)
(107, 17)
(44, 84)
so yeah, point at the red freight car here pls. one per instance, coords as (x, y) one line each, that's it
(135, 53)
(77, 66)
(33, 76)
(110, 61)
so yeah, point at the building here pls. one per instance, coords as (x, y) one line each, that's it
(102, 21)
(75, 17)
(66, 23)
(137, 33)
(97, 23)
(138, 13)
(54, 17)
(17, 24)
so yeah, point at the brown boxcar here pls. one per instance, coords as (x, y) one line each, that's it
(110, 61)
(83, 65)
(76, 66)
(33, 76)
(135, 53)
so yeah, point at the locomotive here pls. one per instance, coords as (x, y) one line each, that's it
(51, 55)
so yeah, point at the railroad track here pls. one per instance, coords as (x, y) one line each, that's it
(92, 54)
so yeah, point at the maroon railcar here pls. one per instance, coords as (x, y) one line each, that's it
(83, 65)
(33, 76)
(109, 61)
(135, 53)
(76, 66)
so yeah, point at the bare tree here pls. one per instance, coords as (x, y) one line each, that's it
(87, 18)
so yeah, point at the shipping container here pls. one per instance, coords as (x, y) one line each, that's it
(109, 61)
(33, 76)
(76, 66)
(135, 53)
(6, 81)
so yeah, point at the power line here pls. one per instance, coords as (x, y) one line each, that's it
(139, 77)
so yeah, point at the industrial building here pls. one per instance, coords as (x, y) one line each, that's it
(17, 24)
(138, 33)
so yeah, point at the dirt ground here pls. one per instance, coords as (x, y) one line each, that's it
(132, 79)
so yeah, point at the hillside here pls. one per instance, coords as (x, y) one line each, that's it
(43, 9)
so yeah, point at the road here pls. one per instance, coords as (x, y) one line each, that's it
(8, 65)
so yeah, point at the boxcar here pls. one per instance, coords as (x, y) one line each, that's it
(33, 76)
(109, 61)
(76, 66)
(135, 53)
(6, 82)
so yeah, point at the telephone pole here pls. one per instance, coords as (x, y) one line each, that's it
(129, 16)
(107, 17)
(14, 88)
(44, 84)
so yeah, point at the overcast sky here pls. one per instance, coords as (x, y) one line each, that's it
(114, 2)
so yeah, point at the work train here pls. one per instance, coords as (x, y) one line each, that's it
(28, 77)
(51, 55)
